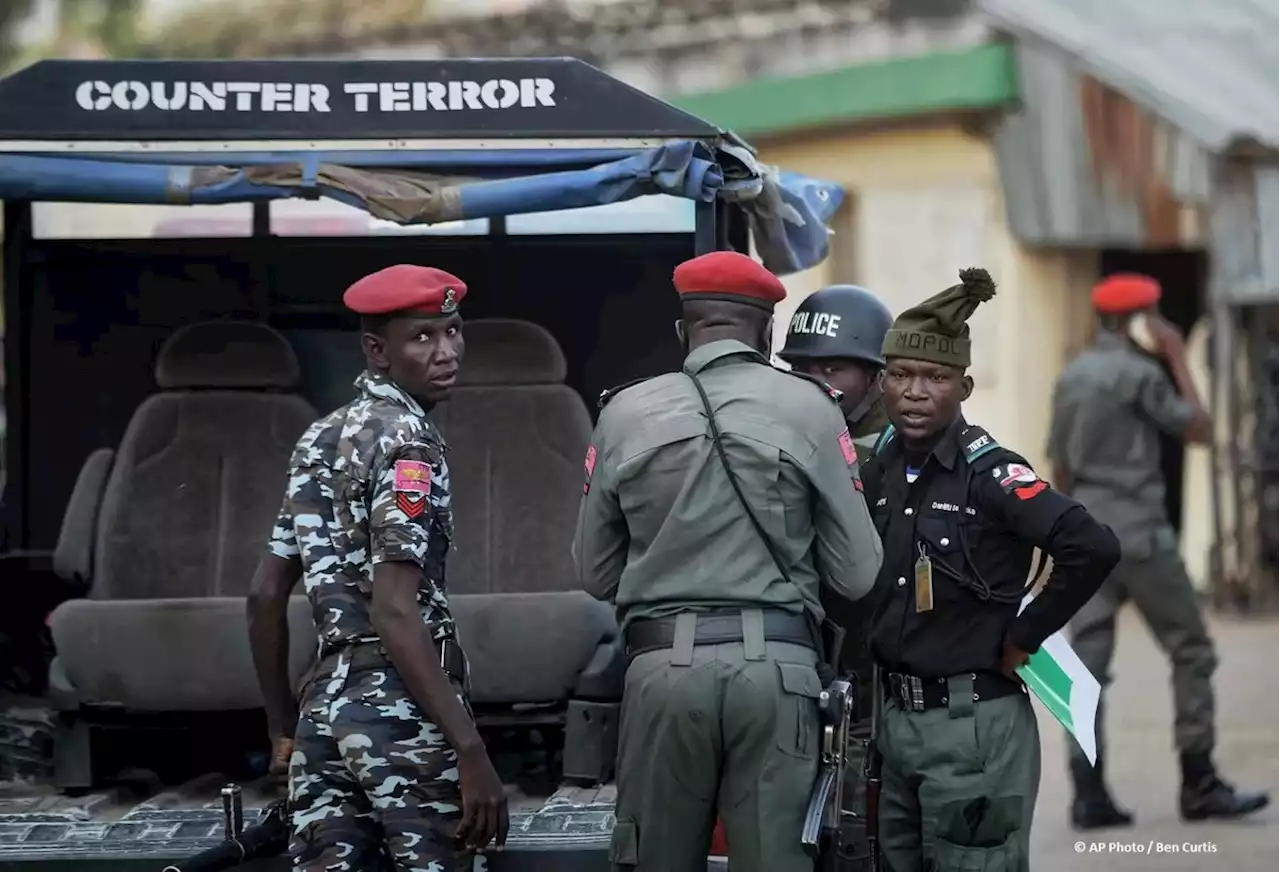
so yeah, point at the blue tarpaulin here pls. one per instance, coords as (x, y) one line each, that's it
(788, 212)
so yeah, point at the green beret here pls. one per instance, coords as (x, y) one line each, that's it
(937, 329)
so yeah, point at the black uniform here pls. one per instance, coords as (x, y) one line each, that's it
(976, 512)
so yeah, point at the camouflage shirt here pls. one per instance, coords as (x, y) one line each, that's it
(368, 484)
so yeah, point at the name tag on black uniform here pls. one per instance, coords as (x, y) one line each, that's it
(924, 583)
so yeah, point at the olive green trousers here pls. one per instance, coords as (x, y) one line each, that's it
(959, 784)
(717, 730)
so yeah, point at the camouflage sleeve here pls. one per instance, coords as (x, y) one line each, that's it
(847, 548)
(400, 506)
(284, 536)
(1162, 405)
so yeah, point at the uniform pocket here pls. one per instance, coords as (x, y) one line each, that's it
(951, 857)
(980, 835)
(624, 847)
(797, 722)
(940, 538)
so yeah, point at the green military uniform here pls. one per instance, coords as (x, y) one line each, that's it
(1110, 407)
(961, 517)
(720, 727)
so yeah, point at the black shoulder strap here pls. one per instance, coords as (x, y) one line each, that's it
(609, 393)
(835, 395)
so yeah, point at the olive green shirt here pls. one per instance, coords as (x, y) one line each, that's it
(1110, 406)
(660, 529)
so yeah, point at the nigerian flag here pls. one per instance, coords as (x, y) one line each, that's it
(1066, 688)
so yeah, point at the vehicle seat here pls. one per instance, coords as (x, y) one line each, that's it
(181, 522)
(517, 436)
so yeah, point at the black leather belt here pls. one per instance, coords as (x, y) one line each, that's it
(715, 628)
(922, 694)
(373, 654)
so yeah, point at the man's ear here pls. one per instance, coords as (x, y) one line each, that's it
(966, 388)
(375, 350)
(681, 333)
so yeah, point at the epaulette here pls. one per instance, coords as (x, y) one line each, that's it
(975, 442)
(886, 436)
(835, 395)
(609, 393)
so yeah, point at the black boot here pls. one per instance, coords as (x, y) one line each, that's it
(1204, 795)
(1093, 807)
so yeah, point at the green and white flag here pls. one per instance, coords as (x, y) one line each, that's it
(1067, 689)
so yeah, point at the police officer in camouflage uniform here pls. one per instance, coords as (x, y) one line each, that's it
(387, 769)
(720, 712)
(960, 517)
(836, 335)
(1110, 407)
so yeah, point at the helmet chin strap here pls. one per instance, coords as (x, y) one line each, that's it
(868, 401)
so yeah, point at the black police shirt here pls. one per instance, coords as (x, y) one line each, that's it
(980, 542)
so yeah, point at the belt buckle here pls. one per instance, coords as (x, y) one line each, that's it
(904, 691)
(910, 692)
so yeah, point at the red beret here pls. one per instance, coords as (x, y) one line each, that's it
(420, 290)
(1125, 292)
(727, 275)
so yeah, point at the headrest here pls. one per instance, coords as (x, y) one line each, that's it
(226, 354)
(506, 352)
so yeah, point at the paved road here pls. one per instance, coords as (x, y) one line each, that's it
(1144, 769)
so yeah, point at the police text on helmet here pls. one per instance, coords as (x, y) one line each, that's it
(449, 96)
(816, 323)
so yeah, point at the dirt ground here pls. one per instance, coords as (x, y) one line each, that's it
(1143, 768)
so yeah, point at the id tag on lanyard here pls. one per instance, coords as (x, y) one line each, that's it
(924, 583)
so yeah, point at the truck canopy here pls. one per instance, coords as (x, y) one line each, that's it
(410, 142)
(154, 388)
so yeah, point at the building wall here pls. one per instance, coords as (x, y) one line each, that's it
(924, 203)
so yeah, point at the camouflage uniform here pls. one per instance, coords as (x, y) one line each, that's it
(368, 769)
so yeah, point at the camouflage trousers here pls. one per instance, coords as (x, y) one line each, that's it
(372, 784)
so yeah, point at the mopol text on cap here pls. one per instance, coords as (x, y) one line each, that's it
(937, 330)
(413, 290)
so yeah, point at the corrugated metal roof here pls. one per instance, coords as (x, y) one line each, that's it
(1083, 164)
(1206, 66)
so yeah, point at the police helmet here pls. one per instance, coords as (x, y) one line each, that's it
(838, 321)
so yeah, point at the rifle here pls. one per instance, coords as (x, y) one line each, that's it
(821, 836)
(269, 837)
(872, 763)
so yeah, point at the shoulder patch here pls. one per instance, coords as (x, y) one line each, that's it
(835, 395)
(412, 486)
(589, 466)
(1019, 479)
(609, 393)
